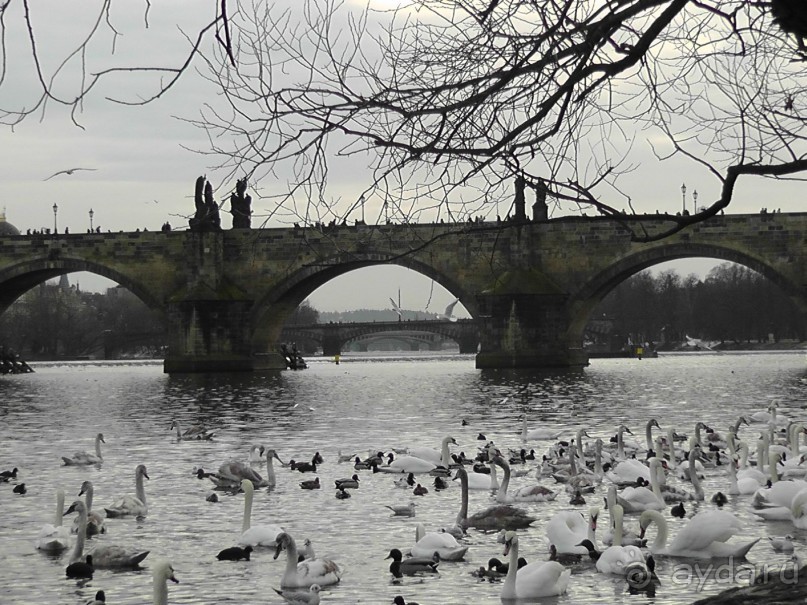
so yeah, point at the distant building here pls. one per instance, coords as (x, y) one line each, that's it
(7, 228)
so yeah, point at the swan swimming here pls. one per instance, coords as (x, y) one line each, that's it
(444, 544)
(95, 520)
(528, 493)
(104, 555)
(616, 558)
(259, 535)
(54, 538)
(567, 528)
(705, 536)
(499, 516)
(305, 573)
(534, 580)
(132, 505)
(85, 458)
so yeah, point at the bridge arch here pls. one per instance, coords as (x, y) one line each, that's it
(585, 300)
(19, 278)
(271, 311)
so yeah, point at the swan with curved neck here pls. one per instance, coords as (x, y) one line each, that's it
(163, 572)
(534, 580)
(259, 535)
(705, 536)
(271, 479)
(86, 458)
(537, 434)
(446, 545)
(616, 558)
(482, 481)
(500, 516)
(648, 434)
(132, 505)
(54, 538)
(628, 537)
(638, 499)
(305, 573)
(442, 457)
(95, 521)
(568, 528)
(529, 493)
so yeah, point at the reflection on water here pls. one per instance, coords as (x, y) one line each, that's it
(364, 404)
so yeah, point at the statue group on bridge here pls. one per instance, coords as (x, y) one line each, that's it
(207, 218)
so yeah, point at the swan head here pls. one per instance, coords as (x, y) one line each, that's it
(282, 542)
(140, 471)
(76, 507)
(448, 439)
(85, 487)
(271, 453)
(164, 571)
(653, 423)
(100, 437)
(246, 486)
(510, 541)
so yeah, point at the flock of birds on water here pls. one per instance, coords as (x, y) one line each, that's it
(656, 480)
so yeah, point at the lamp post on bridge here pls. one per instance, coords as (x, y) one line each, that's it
(55, 213)
(695, 201)
(91, 213)
(684, 199)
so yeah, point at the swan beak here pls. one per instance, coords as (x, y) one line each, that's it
(173, 578)
(145, 474)
(278, 549)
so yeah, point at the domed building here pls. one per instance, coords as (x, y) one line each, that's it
(7, 228)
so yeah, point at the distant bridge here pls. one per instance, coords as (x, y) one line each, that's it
(332, 337)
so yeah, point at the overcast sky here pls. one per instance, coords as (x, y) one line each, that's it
(143, 173)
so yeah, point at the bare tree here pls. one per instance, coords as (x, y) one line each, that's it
(448, 101)
(67, 69)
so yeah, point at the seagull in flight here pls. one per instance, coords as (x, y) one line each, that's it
(396, 308)
(449, 312)
(68, 171)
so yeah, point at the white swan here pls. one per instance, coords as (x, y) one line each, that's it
(259, 535)
(499, 516)
(95, 520)
(628, 537)
(255, 454)
(85, 458)
(628, 472)
(616, 559)
(438, 458)
(482, 481)
(305, 573)
(539, 434)
(162, 572)
(705, 536)
(407, 464)
(534, 580)
(638, 499)
(132, 505)
(54, 538)
(567, 528)
(529, 493)
(446, 545)
(796, 512)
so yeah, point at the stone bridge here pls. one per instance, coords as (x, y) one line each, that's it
(333, 336)
(530, 286)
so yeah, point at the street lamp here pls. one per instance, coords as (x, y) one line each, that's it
(695, 200)
(684, 198)
(55, 212)
(91, 215)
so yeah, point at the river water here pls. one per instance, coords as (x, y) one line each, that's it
(365, 403)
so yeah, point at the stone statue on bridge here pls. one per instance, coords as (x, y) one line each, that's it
(240, 206)
(206, 218)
